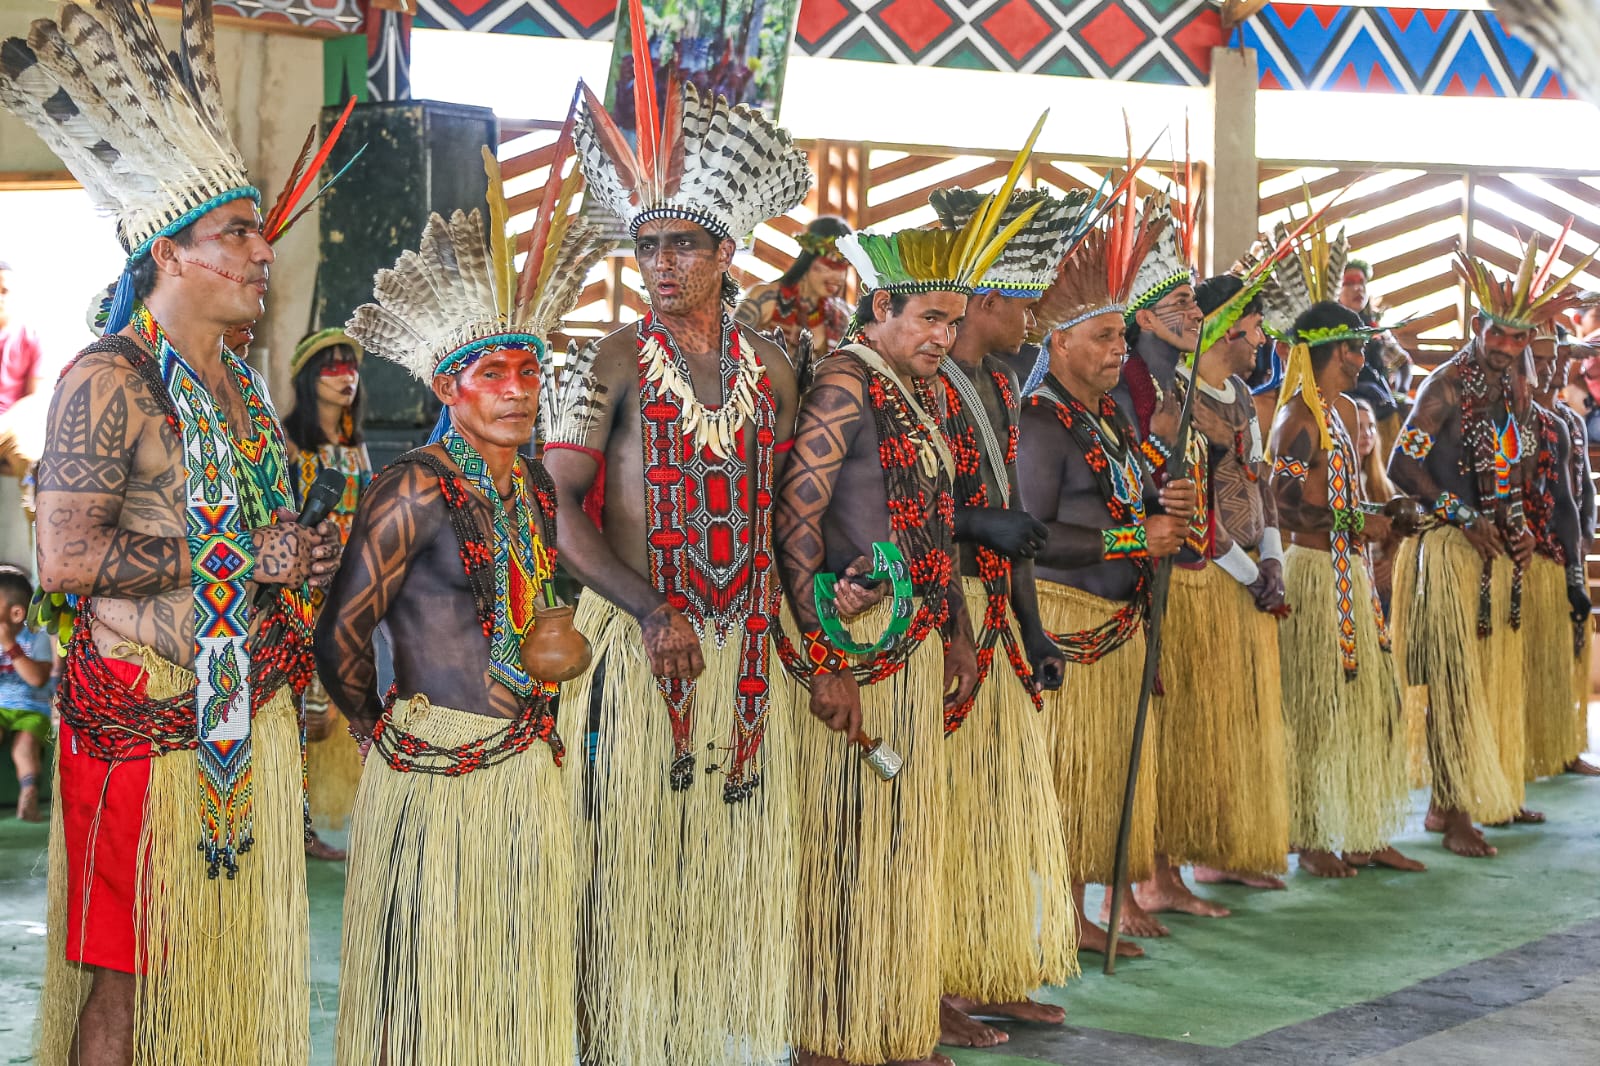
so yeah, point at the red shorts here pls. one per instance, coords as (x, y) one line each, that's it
(102, 814)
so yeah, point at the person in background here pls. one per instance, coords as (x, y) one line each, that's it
(25, 662)
(809, 296)
(1386, 373)
(1375, 487)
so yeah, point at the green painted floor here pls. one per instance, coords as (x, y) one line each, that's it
(1283, 958)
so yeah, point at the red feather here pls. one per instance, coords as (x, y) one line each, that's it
(306, 178)
(547, 205)
(646, 115)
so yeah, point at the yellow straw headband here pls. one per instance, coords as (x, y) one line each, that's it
(321, 341)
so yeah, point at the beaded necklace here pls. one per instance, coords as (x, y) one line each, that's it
(1119, 476)
(972, 443)
(709, 539)
(1344, 495)
(1540, 491)
(222, 508)
(1485, 456)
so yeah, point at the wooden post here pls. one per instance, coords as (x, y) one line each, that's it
(1232, 178)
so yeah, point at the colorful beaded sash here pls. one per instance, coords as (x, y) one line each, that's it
(1146, 394)
(917, 471)
(972, 441)
(223, 507)
(1344, 494)
(1119, 476)
(1487, 457)
(709, 542)
(498, 601)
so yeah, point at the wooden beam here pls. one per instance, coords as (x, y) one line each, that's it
(1396, 227)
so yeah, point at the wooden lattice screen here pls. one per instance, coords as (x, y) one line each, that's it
(1407, 220)
(883, 186)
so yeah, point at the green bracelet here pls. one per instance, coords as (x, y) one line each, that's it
(1125, 542)
(1348, 520)
(887, 565)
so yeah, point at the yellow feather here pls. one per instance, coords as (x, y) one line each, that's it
(1555, 288)
(980, 228)
(1519, 292)
(991, 251)
(500, 248)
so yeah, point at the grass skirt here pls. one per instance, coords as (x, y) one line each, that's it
(1009, 924)
(226, 961)
(1552, 709)
(1582, 686)
(458, 908)
(1090, 727)
(1222, 800)
(333, 771)
(1347, 739)
(686, 912)
(1474, 685)
(867, 956)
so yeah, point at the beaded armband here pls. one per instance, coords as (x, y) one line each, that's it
(1349, 520)
(1290, 467)
(1125, 542)
(1155, 452)
(822, 656)
(1449, 508)
(1416, 443)
(1576, 577)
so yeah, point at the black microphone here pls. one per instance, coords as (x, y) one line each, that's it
(321, 498)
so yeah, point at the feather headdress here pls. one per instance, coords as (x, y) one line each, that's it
(145, 132)
(1172, 261)
(1027, 264)
(724, 166)
(459, 294)
(944, 260)
(1531, 299)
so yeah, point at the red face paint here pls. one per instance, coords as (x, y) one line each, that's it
(497, 396)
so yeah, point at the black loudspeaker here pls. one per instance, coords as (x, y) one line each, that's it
(421, 156)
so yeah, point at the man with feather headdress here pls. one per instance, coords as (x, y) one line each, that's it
(1007, 912)
(461, 865)
(1081, 473)
(665, 441)
(161, 492)
(1467, 451)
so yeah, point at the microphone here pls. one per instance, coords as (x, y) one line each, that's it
(321, 498)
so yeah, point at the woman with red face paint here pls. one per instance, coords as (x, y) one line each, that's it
(324, 433)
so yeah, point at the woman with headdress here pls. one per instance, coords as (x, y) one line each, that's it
(810, 294)
(324, 432)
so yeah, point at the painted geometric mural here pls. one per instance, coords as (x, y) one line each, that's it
(323, 16)
(1424, 51)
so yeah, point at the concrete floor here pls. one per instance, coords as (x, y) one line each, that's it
(1476, 961)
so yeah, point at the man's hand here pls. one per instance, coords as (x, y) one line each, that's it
(1268, 586)
(1483, 537)
(1164, 535)
(1164, 419)
(836, 701)
(1049, 665)
(1179, 498)
(1578, 599)
(291, 554)
(1520, 547)
(960, 671)
(671, 644)
(1013, 533)
(854, 599)
(1376, 528)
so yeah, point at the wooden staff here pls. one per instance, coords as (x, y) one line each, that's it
(1159, 584)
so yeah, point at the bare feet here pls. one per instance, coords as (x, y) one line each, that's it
(1093, 939)
(1389, 857)
(1464, 838)
(1582, 766)
(1522, 817)
(1167, 892)
(958, 1030)
(28, 804)
(1135, 920)
(1435, 820)
(1023, 1010)
(1206, 875)
(317, 848)
(1324, 863)
(934, 1059)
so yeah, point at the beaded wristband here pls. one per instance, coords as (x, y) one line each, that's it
(1576, 577)
(1155, 452)
(1348, 520)
(1449, 508)
(1125, 542)
(822, 657)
